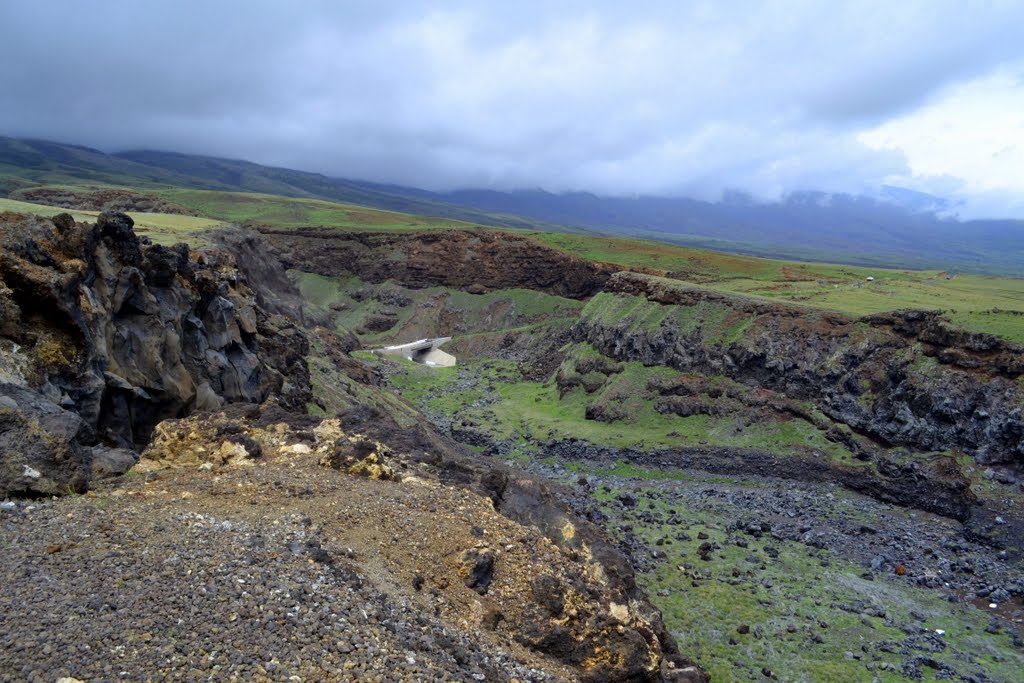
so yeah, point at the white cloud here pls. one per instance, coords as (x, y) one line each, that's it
(655, 97)
(972, 132)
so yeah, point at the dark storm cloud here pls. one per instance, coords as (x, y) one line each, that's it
(656, 97)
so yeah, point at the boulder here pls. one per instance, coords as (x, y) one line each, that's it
(41, 452)
(111, 462)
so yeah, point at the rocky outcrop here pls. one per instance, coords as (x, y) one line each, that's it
(41, 449)
(473, 260)
(274, 291)
(903, 379)
(951, 345)
(121, 334)
(110, 345)
(933, 484)
(525, 565)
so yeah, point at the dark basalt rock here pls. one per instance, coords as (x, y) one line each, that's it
(549, 593)
(478, 569)
(123, 335)
(100, 200)
(41, 450)
(905, 379)
(111, 462)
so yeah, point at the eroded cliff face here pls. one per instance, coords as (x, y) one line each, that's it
(110, 335)
(473, 260)
(903, 379)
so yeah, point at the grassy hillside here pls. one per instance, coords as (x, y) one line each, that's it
(163, 228)
(808, 226)
(492, 399)
(38, 162)
(48, 163)
(388, 313)
(807, 612)
(976, 302)
(278, 211)
(811, 226)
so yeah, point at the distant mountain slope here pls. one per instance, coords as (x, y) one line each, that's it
(806, 225)
(54, 163)
(250, 177)
(36, 162)
(895, 228)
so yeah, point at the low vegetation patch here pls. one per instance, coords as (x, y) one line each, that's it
(749, 604)
(162, 228)
(388, 313)
(975, 302)
(610, 404)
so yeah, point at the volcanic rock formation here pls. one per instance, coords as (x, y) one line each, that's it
(102, 336)
(904, 378)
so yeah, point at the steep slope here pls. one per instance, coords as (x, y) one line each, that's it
(474, 260)
(100, 200)
(250, 177)
(904, 378)
(200, 359)
(711, 429)
(107, 336)
(42, 162)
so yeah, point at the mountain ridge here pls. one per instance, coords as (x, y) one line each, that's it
(858, 230)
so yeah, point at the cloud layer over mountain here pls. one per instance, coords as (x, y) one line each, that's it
(660, 97)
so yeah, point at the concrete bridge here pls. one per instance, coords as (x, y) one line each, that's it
(424, 351)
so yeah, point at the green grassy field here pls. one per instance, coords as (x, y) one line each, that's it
(975, 302)
(163, 228)
(533, 412)
(795, 602)
(290, 212)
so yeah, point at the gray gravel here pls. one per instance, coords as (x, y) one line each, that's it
(933, 550)
(103, 589)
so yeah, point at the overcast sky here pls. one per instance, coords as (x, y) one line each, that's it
(675, 98)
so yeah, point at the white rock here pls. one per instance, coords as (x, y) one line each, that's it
(299, 449)
(993, 605)
(31, 473)
(232, 453)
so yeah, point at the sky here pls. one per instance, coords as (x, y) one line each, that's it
(666, 98)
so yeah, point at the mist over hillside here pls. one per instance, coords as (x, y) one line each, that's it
(894, 228)
(806, 225)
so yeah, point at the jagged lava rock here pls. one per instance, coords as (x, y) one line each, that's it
(40, 448)
(124, 334)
